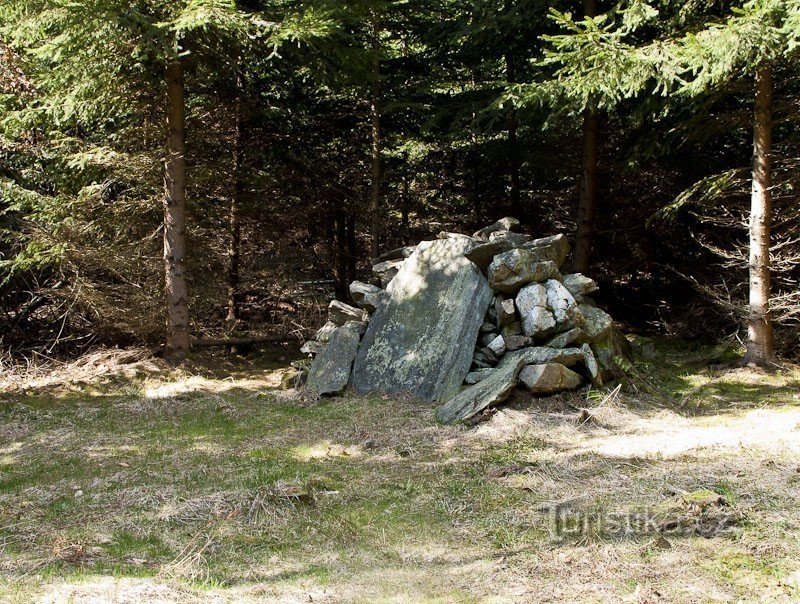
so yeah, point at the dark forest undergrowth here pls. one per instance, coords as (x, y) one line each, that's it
(129, 482)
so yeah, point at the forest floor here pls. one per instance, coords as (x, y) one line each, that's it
(127, 482)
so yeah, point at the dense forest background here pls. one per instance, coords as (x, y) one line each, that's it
(319, 134)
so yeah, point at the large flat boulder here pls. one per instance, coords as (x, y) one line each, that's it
(420, 341)
(330, 371)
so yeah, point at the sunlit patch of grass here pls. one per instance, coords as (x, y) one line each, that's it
(244, 494)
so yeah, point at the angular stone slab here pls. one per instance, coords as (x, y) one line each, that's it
(597, 322)
(473, 377)
(324, 333)
(549, 378)
(554, 248)
(506, 310)
(386, 271)
(421, 340)
(579, 285)
(516, 268)
(330, 371)
(574, 336)
(502, 225)
(400, 253)
(340, 313)
(483, 254)
(369, 297)
(498, 386)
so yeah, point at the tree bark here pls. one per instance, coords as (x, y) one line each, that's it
(177, 302)
(405, 201)
(234, 219)
(512, 123)
(587, 201)
(352, 248)
(341, 268)
(760, 349)
(375, 119)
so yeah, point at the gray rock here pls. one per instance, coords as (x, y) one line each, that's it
(497, 346)
(324, 333)
(420, 341)
(549, 378)
(330, 371)
(498, 386)
(478, 376)
(611, 348)
(537, 319)
(369, 297)
(579, 285)
(340, 313)
(517, 342)
(515, 239)
(313, 347)
(512, 270)
(574, 336)
(483, 254)
(488, 354)
(547, 308)
(504, 224)
(487, 338)
(565, 308)
(596, 322)
(554, 248)
(400, 253)
(592, 367)
(506, 310)
(386, 271)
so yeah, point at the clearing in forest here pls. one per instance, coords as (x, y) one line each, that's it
(148, 485)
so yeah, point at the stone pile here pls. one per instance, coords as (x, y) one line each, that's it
(491, 312)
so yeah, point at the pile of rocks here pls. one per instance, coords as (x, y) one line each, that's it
(491, 311)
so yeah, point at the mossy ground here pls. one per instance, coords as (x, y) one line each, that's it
(211, 484)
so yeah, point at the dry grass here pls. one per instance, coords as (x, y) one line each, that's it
(191, 486)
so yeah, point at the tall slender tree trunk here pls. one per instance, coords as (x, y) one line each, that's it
(352, 248)
(341, 265)
(177, 299)
(375, 119)
(234, 218)
(513, 146)
(587, 201)
(474, 158)
(405, 200)
(760, 349)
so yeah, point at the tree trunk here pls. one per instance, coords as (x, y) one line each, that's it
(513, 146)
(474, 159)
(341, 267)
(352, 248)
(405, 201)
(177, 342)
(587, 202)
(759, 324)
(375, 118)
(234, 220)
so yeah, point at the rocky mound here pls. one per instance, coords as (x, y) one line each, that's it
(492, 311)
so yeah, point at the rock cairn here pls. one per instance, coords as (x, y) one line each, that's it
(491, 312)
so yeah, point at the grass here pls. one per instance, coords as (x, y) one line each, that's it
(146, 484)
